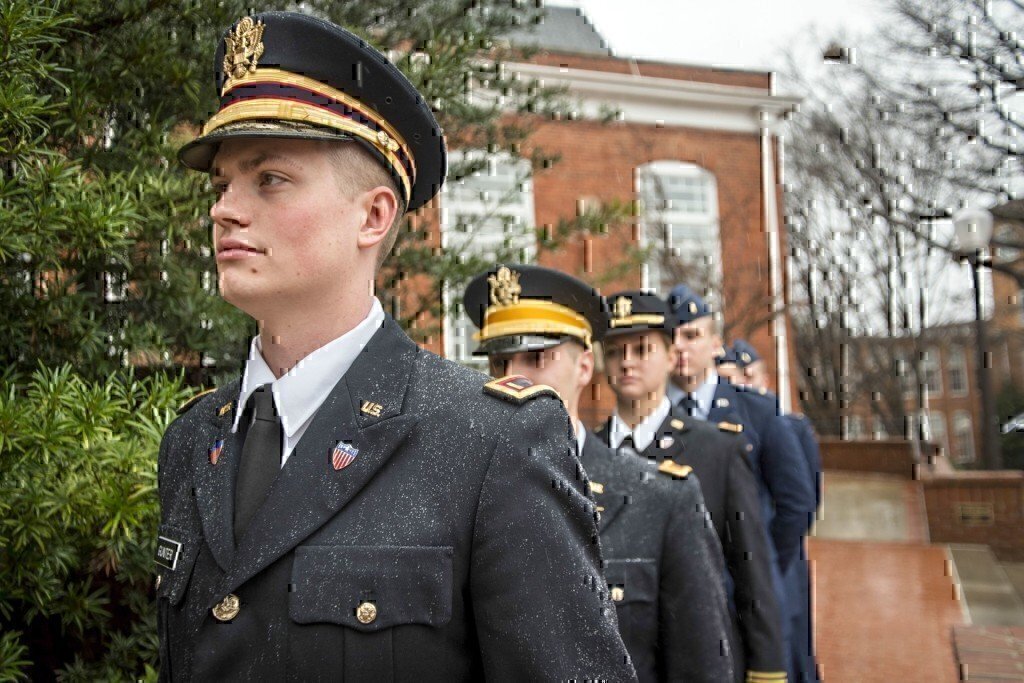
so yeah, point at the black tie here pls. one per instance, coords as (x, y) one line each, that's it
(689, 404)
(261, 457)
(627, 442)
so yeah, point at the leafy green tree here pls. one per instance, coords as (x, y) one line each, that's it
(78, 522)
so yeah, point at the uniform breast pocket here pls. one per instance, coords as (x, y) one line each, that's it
(370, 588)
(633, 586)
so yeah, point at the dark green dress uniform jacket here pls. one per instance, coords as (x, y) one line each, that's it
(663, 565)
(463, 520)
(730, 492)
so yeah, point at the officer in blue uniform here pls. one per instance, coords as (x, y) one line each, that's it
(356, 508)
(662, 563)
(717, 454)
(783, 476)
(743, 365)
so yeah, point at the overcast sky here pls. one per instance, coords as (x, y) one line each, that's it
(735, 33)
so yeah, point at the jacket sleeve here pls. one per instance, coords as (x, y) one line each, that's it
(540, 602)
(785, 472)
(749, 563)
(693, 611)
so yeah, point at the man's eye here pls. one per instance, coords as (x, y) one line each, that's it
(270, 179)
(218, 188)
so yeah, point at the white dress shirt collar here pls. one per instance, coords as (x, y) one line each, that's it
(300, 392)
(705, 395)
(581, 438)
(644, 432)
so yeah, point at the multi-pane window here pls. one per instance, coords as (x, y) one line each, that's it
(956, 365)
(963, 438)
(937, 429)
(854, 427)
(487, 212)
(679, 224)
(931, 372)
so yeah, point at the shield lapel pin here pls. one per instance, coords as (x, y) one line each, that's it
(343, 455)
(215, 450)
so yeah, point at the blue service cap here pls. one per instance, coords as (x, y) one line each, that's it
(744, 353)
(687, 305)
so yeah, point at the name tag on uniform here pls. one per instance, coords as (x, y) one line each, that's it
(167, 552)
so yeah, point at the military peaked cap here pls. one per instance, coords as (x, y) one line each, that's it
(291, 75)
(637, 311)
(687, 305)
(529, 308)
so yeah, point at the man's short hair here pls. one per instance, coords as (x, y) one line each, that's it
(356, 170)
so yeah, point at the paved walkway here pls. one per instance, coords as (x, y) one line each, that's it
(885, 601)
(884, 611)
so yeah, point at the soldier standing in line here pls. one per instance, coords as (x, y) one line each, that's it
(662, 563)
(356, 508)
(784, 480)
(743, 365)
(718, 457)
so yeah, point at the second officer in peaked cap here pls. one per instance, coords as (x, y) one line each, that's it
(662, 563)
(353, 507)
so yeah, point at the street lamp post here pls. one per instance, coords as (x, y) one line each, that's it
(973, 230)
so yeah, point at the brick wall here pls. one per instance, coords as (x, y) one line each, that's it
(597, 161)
(977, 507)
(886, 456)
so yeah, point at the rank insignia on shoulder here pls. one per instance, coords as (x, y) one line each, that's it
(194, 400)
(675, 469)
(730, 427)
(517, 389)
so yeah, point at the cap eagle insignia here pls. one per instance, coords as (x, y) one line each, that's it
(623, 307)
(505, 287)
(243, 48)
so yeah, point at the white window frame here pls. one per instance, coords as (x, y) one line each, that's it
(457, 201)
(956, 365)
(931, 366)
(963, 426)
(708, 220)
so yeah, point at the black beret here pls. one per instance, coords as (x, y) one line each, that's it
(528, 308)
(291, 75)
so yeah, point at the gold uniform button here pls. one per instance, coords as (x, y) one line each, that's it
(617, 594)
(228, 608)
(366, 613)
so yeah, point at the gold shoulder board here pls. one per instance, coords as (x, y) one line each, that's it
(675, 469)
(192, 401)
(730, 427)
(517, 389)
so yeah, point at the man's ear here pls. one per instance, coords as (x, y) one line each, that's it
(381, 209)
(585, 368)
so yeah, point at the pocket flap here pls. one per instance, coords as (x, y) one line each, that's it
(370, 588)
(176, 553)
(635, 579)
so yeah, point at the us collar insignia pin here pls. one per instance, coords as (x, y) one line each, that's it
(343, 455)
(665, 442)
(216, 450)
(370, 408)
(225, 408)
(722, 403)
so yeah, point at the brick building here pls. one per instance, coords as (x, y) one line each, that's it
(691, 147)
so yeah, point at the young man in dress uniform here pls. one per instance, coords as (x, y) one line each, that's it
(743, 365)
(662, 563)
(784, 480)
(639, 357)
(356, 508)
